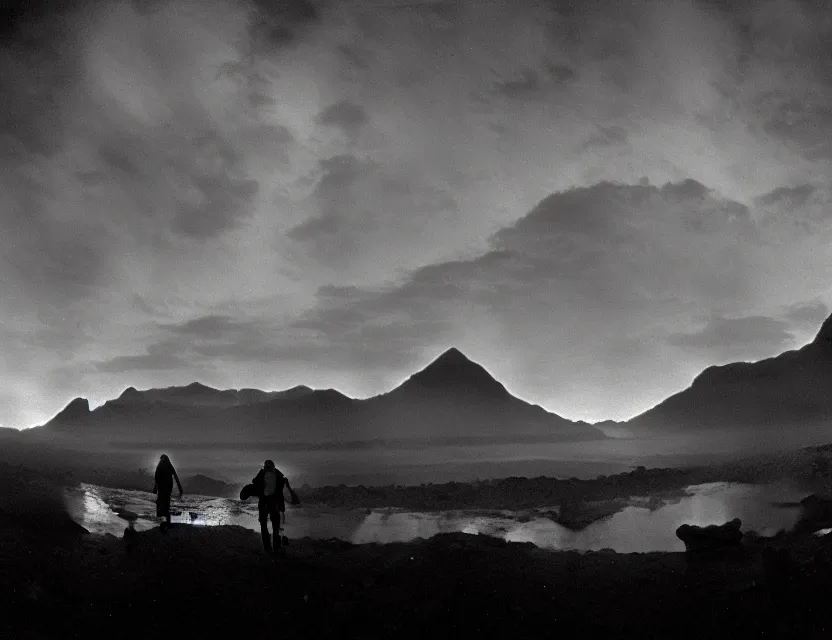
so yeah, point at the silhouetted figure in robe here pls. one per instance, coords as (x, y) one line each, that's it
(163, 487)
(268, 486)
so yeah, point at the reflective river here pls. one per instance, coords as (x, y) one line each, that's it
(634, 528)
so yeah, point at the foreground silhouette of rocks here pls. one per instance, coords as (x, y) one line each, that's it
(815, 514)
(56, 581)
(711, 538)
(216, 582)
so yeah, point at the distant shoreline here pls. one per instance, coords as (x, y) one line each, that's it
(347, 445)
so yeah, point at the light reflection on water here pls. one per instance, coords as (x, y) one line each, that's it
(634, 528)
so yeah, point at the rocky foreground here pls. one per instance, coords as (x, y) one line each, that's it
(216, 582)
(57, 581)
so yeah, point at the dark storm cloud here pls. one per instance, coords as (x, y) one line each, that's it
(344, 114)
(384, 346)
(278, 24)
(291, 12)
(335, 196)
(608, 224)
(788, 53)
(212, 326)
(757, 333)
(803, 210)
(221, 201)
(184, 345)
(367, 331)
(157, 358)
(339, 175)
(589, 248)
(37, 67)
(323, 231)
(215, 194)
(532, 85)
(788, 196)
(598, 240)
(18, 16)
(807, 313)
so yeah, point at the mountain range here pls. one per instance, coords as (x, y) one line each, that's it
(793, 389)
(451, 399)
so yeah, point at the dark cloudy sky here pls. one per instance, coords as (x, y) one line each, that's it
(594, 200)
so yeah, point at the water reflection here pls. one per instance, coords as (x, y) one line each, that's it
(635, 528)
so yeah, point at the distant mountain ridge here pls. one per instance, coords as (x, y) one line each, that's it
(453, 397)
(792, 389)
(198, 394)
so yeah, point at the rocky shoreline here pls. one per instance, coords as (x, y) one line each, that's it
(217, 582)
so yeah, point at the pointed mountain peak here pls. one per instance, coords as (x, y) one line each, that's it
(195, 389)
(199, 387)
(453, 356)
(76, 410)
(824, 336)
(81, 405)
(194, 394)
(453, 371)
(129, 397)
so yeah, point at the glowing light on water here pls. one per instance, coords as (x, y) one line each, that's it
(520, 534)
(634, 528)
(95, 507)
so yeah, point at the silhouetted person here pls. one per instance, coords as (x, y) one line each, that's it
(268, 486)
(163, 487)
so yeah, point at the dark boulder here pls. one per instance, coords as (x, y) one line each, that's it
(126, 514)
(815, 514)
(457, 540)
(711, 538)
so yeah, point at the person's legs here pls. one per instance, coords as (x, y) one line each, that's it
(264, 534)
(263, 516)
(163, 508)
(274, 514)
